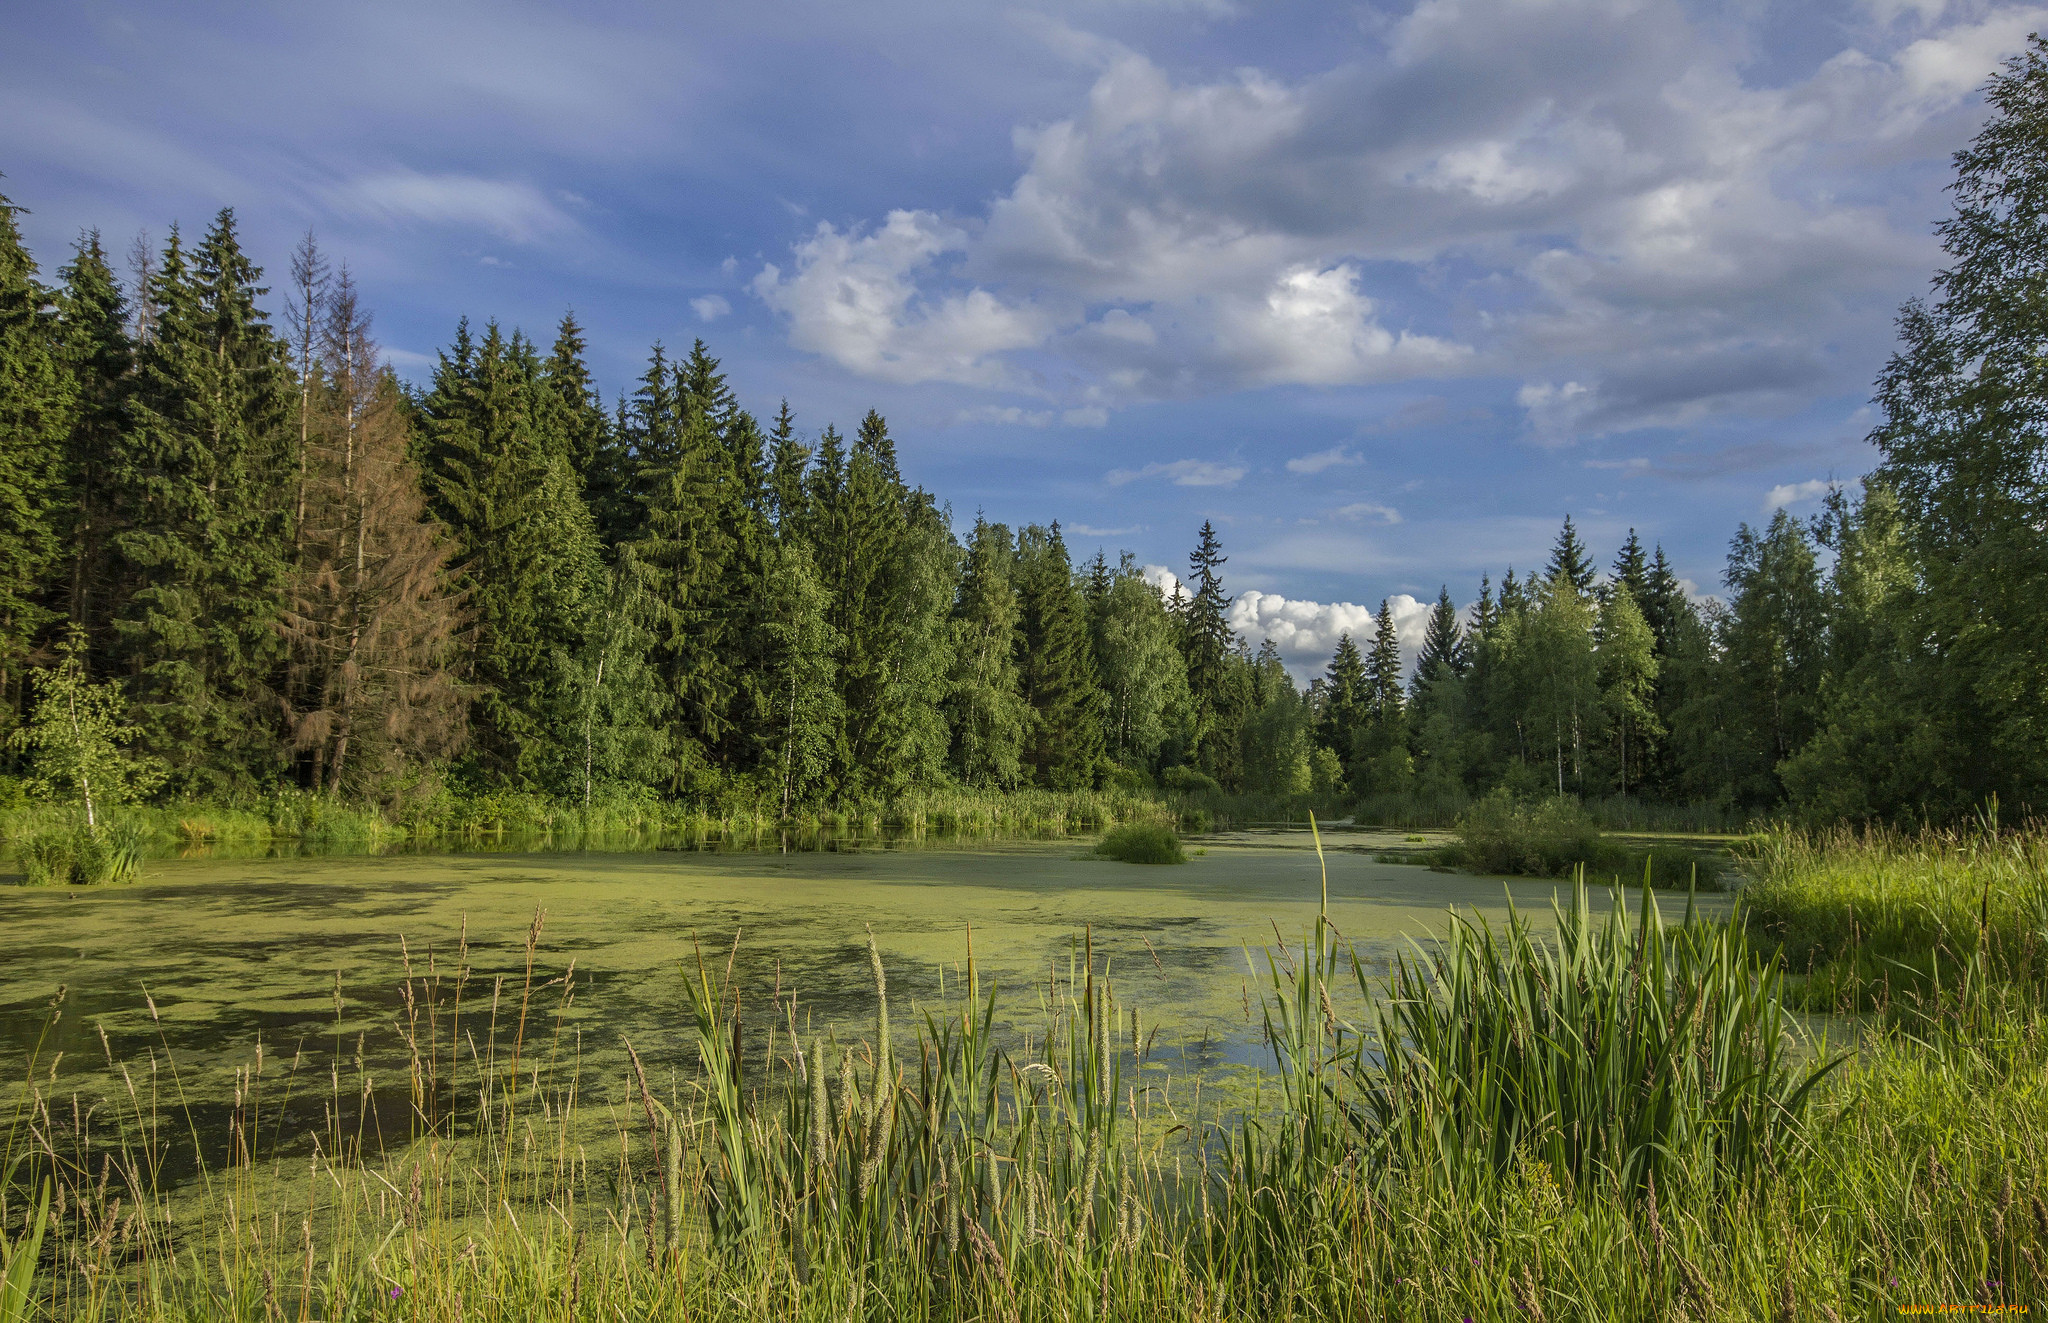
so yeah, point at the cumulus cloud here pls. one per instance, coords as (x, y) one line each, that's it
(1653, 230)
(1162, 579)
(1306, 632)
(517, 211)
(1182, 473)
(1795, 493)
(853, 297)
(710, 307)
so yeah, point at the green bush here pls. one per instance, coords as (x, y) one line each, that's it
(1142, 843)
(1547, 838)
(1189, 781)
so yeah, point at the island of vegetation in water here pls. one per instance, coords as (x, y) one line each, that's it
(248, 581)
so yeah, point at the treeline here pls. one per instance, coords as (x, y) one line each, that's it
(296, 570)
(292, 569)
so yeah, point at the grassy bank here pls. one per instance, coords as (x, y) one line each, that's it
(1618, 1122)
(1884, 920)
(34, 833)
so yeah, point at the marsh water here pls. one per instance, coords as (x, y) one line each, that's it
(205, 958)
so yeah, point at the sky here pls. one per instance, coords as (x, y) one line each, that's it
(1382, 290)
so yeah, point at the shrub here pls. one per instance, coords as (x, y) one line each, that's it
(1142, 843)
(54, 856)
(1500, 834)
(1189, 781)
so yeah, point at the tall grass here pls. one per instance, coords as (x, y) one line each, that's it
(1877, 919)
(1611, 1123)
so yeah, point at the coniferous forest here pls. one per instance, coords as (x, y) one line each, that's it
(226, 515)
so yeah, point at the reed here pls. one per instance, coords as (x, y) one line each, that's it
(1617, 1121)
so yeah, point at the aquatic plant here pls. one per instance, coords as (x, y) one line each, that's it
(1142, 843)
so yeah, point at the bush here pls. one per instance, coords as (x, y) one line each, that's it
(1142, 843)
(1500, 834)
(1189, 781)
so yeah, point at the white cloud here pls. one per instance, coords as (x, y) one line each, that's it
(1087, 416)
(1182, 473)
(517, 211)
(1323, 459)
(1006, 414)
(1306, 633)
(1657, 229)
(710, 307)
(1795, 493)
(1086, 531)
(1163, 579)
(853, 297)
(1369, 510)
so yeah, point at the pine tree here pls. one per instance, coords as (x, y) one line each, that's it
(985, 705)
(1569, 561)
(801, 720)
(204, 476)
(35, 414)
(1444, 651)
(1063, 745)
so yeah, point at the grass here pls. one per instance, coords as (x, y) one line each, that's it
(1617, 1122)
(48, 846)
(1616, 813)
(1883, 920)
(1142, 843)
(1557, 836)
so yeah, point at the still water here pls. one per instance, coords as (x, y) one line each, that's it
(230, 953)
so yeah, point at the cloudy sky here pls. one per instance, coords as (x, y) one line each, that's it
(1384, 290)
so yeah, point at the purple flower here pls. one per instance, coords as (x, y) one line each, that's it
(397, 1291)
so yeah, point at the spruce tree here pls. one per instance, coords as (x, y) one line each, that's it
(1569, 561)
(788, 460)
(1632, 568)
(1206, 643)
(99, 357)
(1063, 745)
(1344, 697)
(372, 615)
(801, 720)
(531, 565)
(984, 704)
(1380, 758)
(35, 414)
(204, 473)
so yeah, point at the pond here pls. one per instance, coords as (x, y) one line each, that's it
(205, 958)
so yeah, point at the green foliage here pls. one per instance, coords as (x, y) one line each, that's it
(1548, 838)
(1056, 665)
(80, 852)
(76, 738)
(1618, 1054)
(1142, 843)
(988, 711)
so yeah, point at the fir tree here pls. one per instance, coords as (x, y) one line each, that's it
(1569, 561)
(788, 458)
(204, 475)
(35, 409)
(1344, 697)
(1063, 746)
(532, 571)
(1632, 568)
(987, 711)
(1206, 638)
(99, 357)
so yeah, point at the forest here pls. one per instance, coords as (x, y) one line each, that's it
(230, 529)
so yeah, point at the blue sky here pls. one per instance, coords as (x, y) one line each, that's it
(1383, 290)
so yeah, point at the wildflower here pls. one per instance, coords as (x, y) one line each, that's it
(397, 1291)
